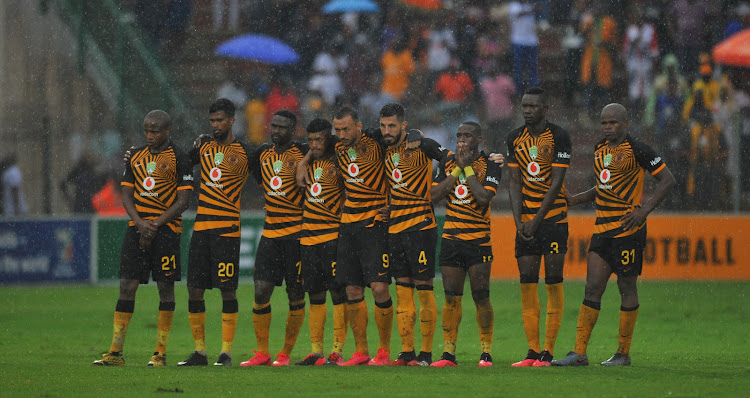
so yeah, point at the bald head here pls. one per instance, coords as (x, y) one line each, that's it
(161, 118)
(616, 111)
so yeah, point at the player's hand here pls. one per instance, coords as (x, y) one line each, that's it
(145, 243)
(528, 229)
(497, 158)
(634, 219)
(384, 213)
(464, 156)
(202, 138)
(414, 139)
(128, 154)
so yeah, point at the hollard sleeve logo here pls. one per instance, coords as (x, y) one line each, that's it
(604, 176)
(276, 183)
(353, 169)
(655, 161)
(563, 155)
(149, 183)
(461, 191)
(491, 179)
(316, 189)
(215, 174)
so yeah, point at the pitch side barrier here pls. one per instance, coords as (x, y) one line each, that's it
(82, 249)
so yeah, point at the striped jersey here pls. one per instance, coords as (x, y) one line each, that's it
(321, 212)
(619, 182)
(156, 178)
(410, 175)
(276, 174)
(465, 219)
(224, 170)
(536, 157)
(363, 170)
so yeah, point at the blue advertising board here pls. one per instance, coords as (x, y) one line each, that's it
(45, 251)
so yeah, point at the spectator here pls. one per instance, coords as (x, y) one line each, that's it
(572, 43)
(490, 51)
(467, 36)
(440, 44)
(498, 90)
(525, 42)
(234, 90)
(358, 77)
(670, 74)
(326, 79)
(13, 201)
(85, 183)
(691, 23)
(398, 65)
(454, 85)
(108, 201)
(706, 87)
(225, 9)
(598, 60)
(282, 96)
(640, 49)
(255, 115)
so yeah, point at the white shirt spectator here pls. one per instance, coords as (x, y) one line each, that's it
(522, 24)
(12, 180)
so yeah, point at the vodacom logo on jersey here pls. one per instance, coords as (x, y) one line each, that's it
(604, 176)
(316, 189)
(396, 175)
(461, 191)
(353, 169)
(215, 174)
(276, 183)
(533, 168)
(149, 183)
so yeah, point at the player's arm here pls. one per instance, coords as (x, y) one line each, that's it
(179, 205)
(432, 148)
(464, 159)
(442, 183)
(665, 181)
(484, 191)
(582, 197)
(414, 139)
(303, 179)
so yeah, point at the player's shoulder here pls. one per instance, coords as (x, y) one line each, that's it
(178, 151)
(516, 132)
(637, 143)
(139, 149)
(557, 130)
(600, 144)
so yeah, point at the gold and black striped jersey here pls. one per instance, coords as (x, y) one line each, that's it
(156, 178)
(224, 170)
(321, 213)
(535, 157)
(363, 169)
(410, 175)
(276, 173)
(619, 182)
(465, 219)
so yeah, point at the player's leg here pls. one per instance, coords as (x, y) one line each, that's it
(229, 314)
(164, 322)
(528, 267)
(268, 274)
(338, 298)
(453, 284)
(292, 268)
(384, 320)
(356, 312)
(553, 282)
(423, 252)
(316, 323)
(376, 264)
(165, 270)
(199, 279)
(628, 316)
(406, 318)
(349, 273)
(311, 271)
(479, 278)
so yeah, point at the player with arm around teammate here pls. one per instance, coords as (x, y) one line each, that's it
(468, 181)
(156, 189)
(620, 164)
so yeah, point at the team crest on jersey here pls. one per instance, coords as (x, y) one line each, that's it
(533, 152)
(462, 178)
(276, 183)
(215, 174)
(533, 168)
(395, 158)
(318, 173)
(396, 175)
(461, 191)
(277, 165)
(316, 189)
(353, 169)
(233, 160)
(352, 153)
(150, 167)
(607, 159)
(218, 158)
(149, 183)
(604, 176)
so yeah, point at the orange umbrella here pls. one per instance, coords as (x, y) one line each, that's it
(735, 50)
(426, 4)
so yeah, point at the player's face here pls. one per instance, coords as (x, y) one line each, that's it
(467, 136)
(614, 126)
(534, 110)
(221, 125)
(281, 130)
(317, 143)
(156, 136)
(392, 129)
(347, 130)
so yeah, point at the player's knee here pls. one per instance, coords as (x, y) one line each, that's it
(480, 296)
(551, 280)
(229, 295)
(295, 293)
(529, 278)
(128, 289)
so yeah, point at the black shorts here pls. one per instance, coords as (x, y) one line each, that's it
(214, 261)
(550, 238)
(623, 255)
(162, 261)
(460, 254)
(319, 267)
(362, 255)
(413, 254)
(278, 260)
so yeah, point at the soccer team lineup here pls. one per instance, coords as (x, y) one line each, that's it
(352, 208)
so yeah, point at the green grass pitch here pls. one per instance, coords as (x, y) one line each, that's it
(691, 340)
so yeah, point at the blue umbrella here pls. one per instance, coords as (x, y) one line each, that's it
(350, 6)
(258, 48)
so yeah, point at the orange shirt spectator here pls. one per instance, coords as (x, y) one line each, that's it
(454, 86)
(601, 33)
(108, 201)
(398, 65)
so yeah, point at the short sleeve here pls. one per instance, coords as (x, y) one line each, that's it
(253, 161)
(184, 171)
(439, 172)
(433, 150)
(647, 157)
(128, 178)
(511, 155)
(493, 176)
(563, 148)
(195, 156)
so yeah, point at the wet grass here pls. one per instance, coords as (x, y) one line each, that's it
(690, 341)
